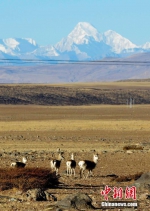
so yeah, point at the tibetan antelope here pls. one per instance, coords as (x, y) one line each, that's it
(19, 164)
(71, 165)
(55, 164)
(88, 165)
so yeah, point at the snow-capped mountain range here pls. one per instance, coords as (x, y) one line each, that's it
(83, 43)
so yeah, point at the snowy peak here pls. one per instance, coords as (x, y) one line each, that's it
(117, 42)
(46, 51)
(82, 31)
(10, 43)
(84, 42)
(14, 46)
(26, 45)
(146, 45)
(31, 41)
(85, 34)
(81, 34)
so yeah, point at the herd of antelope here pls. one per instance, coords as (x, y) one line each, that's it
(70, 164)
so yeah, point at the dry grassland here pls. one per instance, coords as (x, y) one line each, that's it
(37, 131)
(24, 125)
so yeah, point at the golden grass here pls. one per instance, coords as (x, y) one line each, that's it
(74, 118)
(39, 127)
(72, 125)
(89, 84)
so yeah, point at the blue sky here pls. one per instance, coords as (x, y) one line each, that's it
(48, 21)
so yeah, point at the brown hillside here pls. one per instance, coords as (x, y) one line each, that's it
(75, 94)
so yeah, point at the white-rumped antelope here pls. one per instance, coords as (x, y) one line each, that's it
(71, 165)
(55, 164)
(88, 165)
(19, 164)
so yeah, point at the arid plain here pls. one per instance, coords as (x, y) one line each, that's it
(38, 131)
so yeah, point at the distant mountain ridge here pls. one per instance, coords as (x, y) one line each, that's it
(22, 60)
(133, 67)
(84, 42)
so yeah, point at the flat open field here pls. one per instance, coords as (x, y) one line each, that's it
(37, 132)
